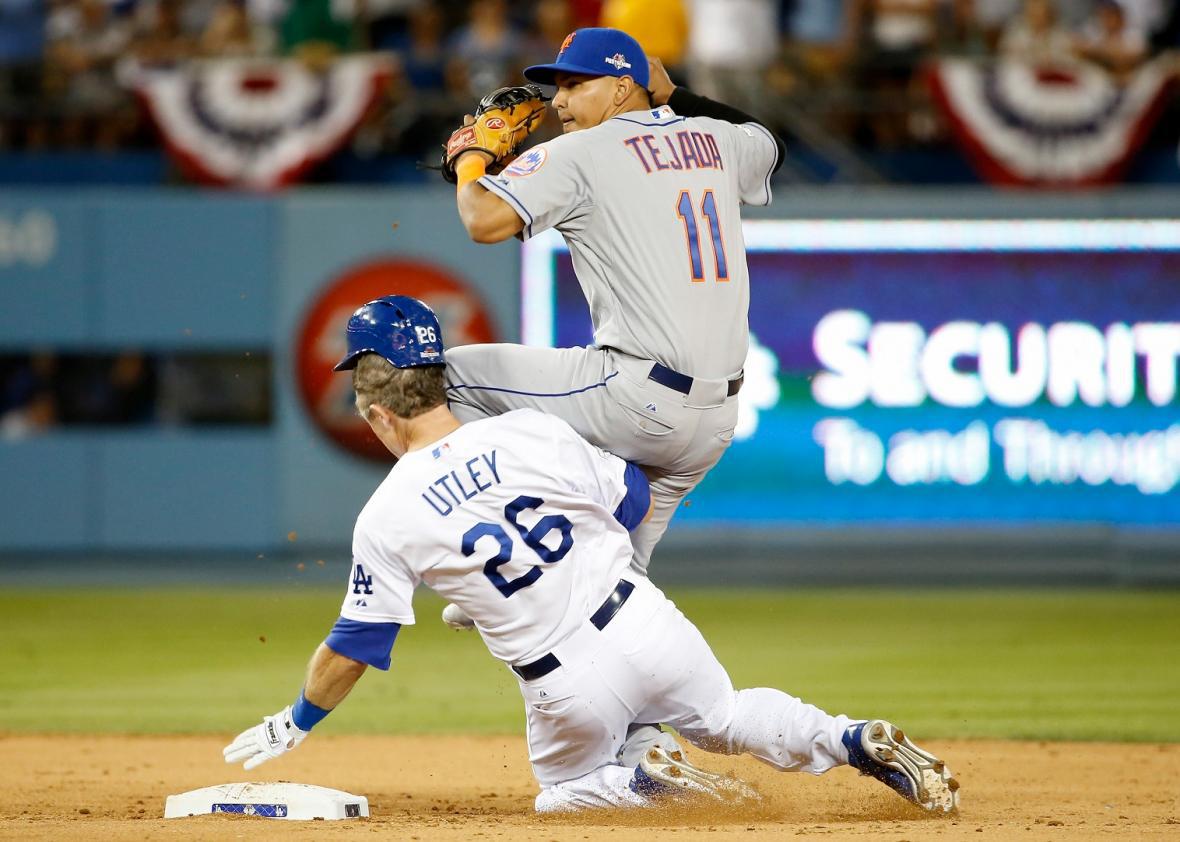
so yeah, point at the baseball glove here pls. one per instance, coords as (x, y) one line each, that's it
(503, 120)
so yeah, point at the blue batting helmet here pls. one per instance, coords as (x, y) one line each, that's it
(402, 330)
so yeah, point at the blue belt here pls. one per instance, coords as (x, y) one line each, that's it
(605, 613)
(682, 383)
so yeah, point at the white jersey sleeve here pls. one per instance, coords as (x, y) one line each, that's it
(753, 149)
(549, 186)
(380, 587)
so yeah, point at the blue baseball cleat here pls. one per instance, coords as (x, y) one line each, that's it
(881, 750)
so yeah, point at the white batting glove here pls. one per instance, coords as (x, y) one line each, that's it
(274, 737)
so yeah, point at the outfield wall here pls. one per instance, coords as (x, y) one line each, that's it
(851, 452)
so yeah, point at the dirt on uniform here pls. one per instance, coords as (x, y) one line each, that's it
(479, 788)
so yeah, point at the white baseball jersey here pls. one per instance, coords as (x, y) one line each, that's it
(511, 518)
(648, 203)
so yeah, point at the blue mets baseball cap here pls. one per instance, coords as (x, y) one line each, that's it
(402, 330)
(595, 51)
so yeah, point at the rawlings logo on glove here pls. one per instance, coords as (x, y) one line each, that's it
(502, 122)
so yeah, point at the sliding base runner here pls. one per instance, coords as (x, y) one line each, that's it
(296, 802)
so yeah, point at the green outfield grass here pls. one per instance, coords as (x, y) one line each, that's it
(1032, 664)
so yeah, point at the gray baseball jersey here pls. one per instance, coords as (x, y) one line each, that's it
(648, 203)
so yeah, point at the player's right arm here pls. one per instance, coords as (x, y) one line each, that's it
(487, 217)
(376, 605)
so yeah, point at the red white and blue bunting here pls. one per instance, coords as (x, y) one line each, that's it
(1055, 126)
(259, 124)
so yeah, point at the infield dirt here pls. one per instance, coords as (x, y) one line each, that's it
(452, 788)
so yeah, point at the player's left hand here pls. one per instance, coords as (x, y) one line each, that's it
(659, 82)
(502, 122)
(274, 737)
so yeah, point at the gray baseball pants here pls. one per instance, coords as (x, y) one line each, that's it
(607, 397)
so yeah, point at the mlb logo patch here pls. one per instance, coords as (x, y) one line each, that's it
(528, 163)
(618, 61)
(440, 451)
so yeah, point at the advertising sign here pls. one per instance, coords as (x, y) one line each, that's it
(961, 373)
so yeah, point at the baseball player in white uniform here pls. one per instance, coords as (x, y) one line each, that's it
(524, 525)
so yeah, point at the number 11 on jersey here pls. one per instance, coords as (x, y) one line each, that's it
(687, 214)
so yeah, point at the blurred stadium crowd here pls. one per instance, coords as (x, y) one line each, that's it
(46, 389)
(845, 70)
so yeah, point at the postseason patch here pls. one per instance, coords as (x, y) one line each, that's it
(529, 162)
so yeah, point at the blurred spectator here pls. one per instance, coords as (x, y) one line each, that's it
(163, 42)
(22, 47)
(1147, 16)
(1036, 35)
(27, 402)
(894, 38)
(87, 38)
(732, 45)
(1073, 14)
(817, 38)
(897, 34)
(660, 26)
(384, 21)
(309, 31)
(423, 57)
(552, 21)
(487, 46)
(964, 33)
(105, 390)
(428, 100)
(993, 16)
(1109, 41)
(231, 33)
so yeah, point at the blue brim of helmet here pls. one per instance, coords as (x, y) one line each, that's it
(350, 362)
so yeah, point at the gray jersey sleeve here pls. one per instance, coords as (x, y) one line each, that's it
(756, 154)
(549, 186)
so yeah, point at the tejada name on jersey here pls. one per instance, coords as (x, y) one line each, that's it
(452, 490)
(681, 151)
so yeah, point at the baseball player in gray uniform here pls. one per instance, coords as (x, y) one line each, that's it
(645, 187)
(525, 525)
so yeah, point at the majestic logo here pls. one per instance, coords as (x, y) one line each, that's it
(528, 163)
(618, 61)
(569, 39)
(495, 123)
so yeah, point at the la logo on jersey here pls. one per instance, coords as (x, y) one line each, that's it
(529, 162)
(618, 61)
